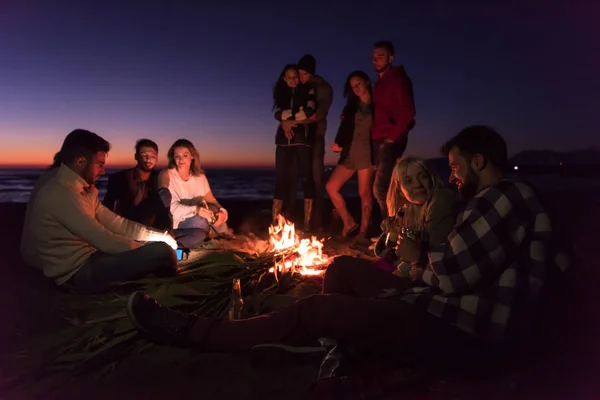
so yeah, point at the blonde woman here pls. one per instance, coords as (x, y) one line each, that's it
(193, 207)
(420, 205)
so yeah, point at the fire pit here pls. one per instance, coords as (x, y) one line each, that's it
(292, 254)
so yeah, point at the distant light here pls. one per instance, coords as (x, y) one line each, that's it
(516, 167)
(560, 163)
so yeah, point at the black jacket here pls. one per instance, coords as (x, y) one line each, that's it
(302, 96)
(120, 197)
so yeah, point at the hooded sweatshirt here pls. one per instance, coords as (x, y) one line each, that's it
(394, 105)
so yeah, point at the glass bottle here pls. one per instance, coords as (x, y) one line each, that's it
(236, 304)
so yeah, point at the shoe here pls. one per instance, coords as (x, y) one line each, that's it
(227, 235)
(274, 354)
(157, 322)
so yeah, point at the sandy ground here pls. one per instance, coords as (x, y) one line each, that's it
(29, 306)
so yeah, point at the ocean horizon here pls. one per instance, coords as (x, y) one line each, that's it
(16, 184)
(258, 183)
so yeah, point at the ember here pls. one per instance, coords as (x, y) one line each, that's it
(303, 256)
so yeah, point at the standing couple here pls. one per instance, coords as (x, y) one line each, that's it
(370, 138)
(301, 101)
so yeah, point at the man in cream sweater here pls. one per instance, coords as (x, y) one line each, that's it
(76, 240)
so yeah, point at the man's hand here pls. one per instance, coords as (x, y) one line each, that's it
(416, 273)
(336, 147)
(163, 237)
(206, 213)
(222, 216)
(408, 250)
(288, 128)
(289, 124)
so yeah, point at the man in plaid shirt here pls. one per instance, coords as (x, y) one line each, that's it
(485, 280)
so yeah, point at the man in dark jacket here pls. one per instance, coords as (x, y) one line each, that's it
(324, 95)
(392, 120)
(132, 193)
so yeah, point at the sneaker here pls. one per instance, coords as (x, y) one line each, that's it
(157, 322)
(274, 354)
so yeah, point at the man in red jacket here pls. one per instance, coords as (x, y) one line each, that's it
(393, 118)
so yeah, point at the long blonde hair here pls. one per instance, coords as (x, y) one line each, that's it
(395, 198)
(195, 165)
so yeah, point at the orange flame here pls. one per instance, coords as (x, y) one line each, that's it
(303, 256)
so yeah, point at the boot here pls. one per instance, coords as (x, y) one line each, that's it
(277, 208)
(158, 323)
(308, 206)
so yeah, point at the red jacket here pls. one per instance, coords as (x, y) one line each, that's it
(394, 105)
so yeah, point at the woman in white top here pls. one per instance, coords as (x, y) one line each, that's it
(194, 208)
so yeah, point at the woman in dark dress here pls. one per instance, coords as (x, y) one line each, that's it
(353, 142)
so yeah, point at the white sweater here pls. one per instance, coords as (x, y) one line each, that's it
(65, 224)
(186, 196)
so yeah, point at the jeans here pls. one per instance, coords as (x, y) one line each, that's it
(191, 232)
(385, 156)
(289, 161)
(345, 312)
(102, 269)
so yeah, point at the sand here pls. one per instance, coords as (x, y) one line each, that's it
(29, 306)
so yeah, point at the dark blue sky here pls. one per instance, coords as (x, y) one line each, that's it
(170, 69)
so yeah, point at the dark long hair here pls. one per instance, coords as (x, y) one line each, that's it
(79, 143)
(351, 98)
(281, 91)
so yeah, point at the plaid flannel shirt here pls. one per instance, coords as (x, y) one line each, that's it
(491, 269)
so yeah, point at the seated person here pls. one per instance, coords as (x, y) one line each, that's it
(133, 193)
(419, 203)
(194, 209)
(77, 241)
(483, 285)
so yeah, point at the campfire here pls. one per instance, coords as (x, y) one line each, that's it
(303, 256)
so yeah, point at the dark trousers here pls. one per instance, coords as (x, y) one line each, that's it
(291, 161)
(385, 155)
(346, 312)
(102, 269)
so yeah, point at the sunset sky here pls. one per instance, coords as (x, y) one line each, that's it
(204, 71)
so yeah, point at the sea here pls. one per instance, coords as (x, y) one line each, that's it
(259, 184)
(239, 184)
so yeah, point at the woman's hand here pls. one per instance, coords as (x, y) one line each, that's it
(222, 216)
(286, 114)
(336, 147)
(300, 115)
(408, 250)
(206, 213)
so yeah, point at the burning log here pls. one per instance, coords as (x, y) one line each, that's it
(303, 256)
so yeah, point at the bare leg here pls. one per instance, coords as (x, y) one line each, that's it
(365, 183)
(338, 178)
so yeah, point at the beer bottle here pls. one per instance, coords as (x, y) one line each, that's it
(236, 304)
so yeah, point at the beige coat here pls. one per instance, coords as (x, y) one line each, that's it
(65, 224)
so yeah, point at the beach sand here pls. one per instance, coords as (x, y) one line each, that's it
(29, 306)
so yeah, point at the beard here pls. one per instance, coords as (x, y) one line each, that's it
(145, 167)
(383, 68)
(468, 188)
(88, 175)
